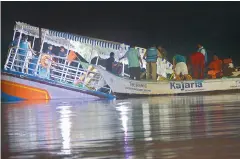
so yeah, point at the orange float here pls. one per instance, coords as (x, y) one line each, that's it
(44, 60)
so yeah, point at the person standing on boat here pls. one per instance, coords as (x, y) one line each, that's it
(151, 56)
(180, 66)
(134, 60)
(197, 62)
(24, 47)
(203, 51)
(109, 62)
(162, 51)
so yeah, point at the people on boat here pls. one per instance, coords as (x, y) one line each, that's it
(62, 54)
(203, 51)
(134, 60)
(24, 47)
(49, 50)
(151, 56)
(71, 57)
(197, 62)
(14, 43)
(215, 68)
(161, 69)
(162, 51)
(30, 54)
(109, 62)
(228, 67)
(180, 67)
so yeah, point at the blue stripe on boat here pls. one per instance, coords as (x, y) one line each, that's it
(8, 98)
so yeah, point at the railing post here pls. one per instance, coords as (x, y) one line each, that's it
(10, 51)
(65, 65)
(123, 68)
(20, 36)
(76, 71)
(14, 33)
(8, 57)
(39, 57)
(97, 60)
(33, 42)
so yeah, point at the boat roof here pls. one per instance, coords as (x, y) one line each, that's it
(81, 44)
(62, 38)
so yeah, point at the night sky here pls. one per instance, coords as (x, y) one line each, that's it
(178, 26)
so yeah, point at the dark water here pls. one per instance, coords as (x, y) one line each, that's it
(190, 127)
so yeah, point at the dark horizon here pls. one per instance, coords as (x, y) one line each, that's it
(178, 26)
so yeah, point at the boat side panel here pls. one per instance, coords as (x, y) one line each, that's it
(127, 86)
(54, 92)
(47, 82)
(24, 91)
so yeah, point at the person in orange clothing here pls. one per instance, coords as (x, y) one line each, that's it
(197, 62)
(71, 56)
(215, 68)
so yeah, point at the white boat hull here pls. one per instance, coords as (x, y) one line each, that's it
(127, 86)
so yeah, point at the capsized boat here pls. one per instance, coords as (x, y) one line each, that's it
(44, 77)
(125, 86)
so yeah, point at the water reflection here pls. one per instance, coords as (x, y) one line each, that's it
(159, 127)
(65, 127)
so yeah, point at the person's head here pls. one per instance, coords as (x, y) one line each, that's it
(50, 47)
(111, 54)
(215, 57)
(25, 38)
(16, 37)
(132, 46)
(154, 45)
(62, 49)
(199, 45)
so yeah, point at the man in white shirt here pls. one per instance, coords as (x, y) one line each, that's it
(203, 51)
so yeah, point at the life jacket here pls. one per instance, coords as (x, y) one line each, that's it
(216, 65)
(179, 58)
(71, 56)
(23, 47)
(151, 55)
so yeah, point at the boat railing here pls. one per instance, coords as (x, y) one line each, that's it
(57, 68)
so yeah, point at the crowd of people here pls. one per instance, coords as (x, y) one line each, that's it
(27, 58)
(195, 67)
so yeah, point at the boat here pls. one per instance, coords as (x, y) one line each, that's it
(122, 86)
(49, 79)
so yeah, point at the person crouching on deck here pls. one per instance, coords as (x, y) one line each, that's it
(228, 67)
(197, 62)
(215, 68)
(134, 60)
(151, 56)
(180, 67)
(109, 62)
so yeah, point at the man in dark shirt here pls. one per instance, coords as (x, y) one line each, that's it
(49, 50)
(109, 62)
(62, 54)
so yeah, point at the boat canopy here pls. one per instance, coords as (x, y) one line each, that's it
(87, 47)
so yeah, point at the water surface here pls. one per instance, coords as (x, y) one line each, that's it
(186, 127)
